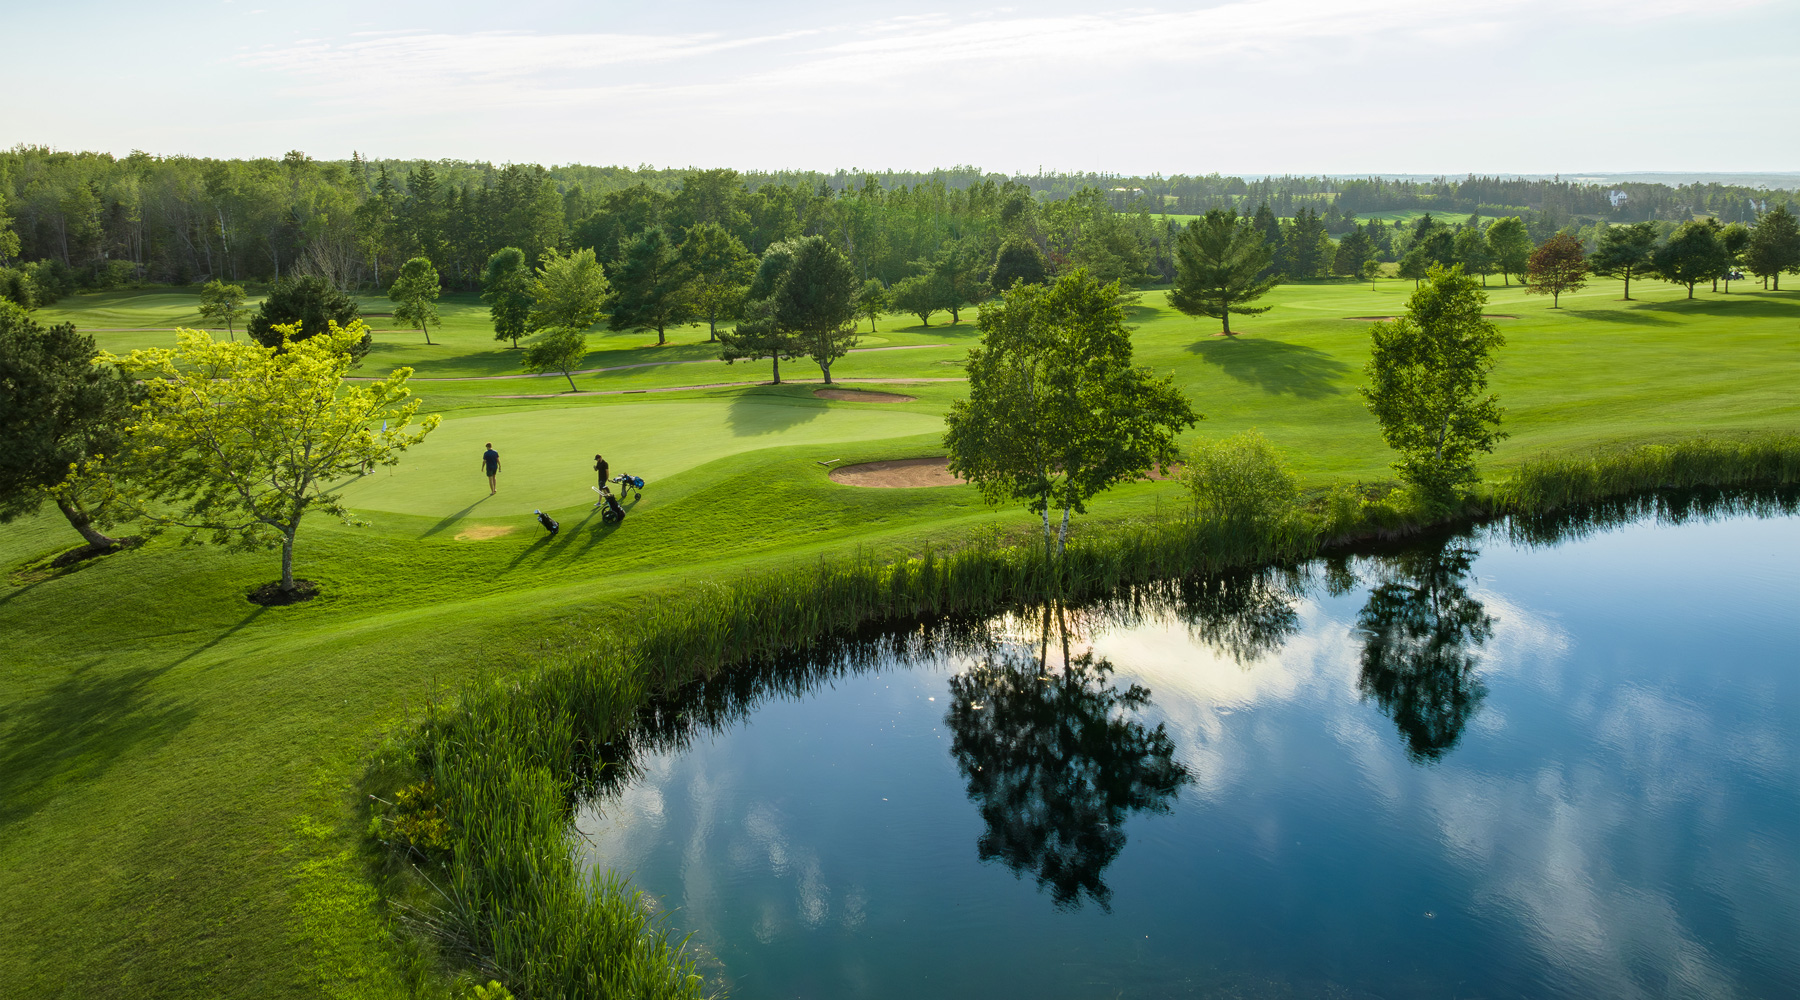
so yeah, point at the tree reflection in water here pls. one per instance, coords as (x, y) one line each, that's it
(1056, 763)
(1420, 631)
(1245, 615)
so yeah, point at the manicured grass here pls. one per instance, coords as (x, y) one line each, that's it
(178, 768)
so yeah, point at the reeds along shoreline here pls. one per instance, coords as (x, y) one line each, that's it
(504, 897)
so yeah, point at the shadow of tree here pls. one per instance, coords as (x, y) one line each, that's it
(1738, 304)
(1637, 316)
(1275, 367)
(77, 730)
(753, 413)
(453, 518)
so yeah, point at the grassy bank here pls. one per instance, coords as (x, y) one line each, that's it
(181, 808)
(505, 759)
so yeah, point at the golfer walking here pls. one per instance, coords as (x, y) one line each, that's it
(490, 463)
(602, 468)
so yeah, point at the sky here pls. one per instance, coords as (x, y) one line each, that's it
(1246, 87)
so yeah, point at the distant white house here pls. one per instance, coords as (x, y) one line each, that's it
(1617, 198)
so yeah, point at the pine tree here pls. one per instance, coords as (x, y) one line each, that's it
(649, 285)
(1221, 265)
(1774, 245)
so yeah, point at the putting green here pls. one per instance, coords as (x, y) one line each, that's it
(546, 455)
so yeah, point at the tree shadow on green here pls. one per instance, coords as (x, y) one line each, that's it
(1275, 367)
(70, 735)
(1742, 307)
(1627, 316)
(756, 412)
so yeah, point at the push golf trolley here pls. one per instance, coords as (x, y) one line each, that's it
(629, 483)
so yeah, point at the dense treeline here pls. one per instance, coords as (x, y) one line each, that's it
(92, 220)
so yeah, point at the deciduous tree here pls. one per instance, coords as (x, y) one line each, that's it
(415, 294)
(222, 303)
(1019, 259)
(61, 415)
(1470, 249)
(506, 288)
(871, 300)
(1692, 255)
(1056, 411)
(1510, 243)
(1735, 239)
(1774, 245)
(921, 295)
(242, 441)
(1559, 266)
(1427, 386)
(1221, 266)
(1625, 252)
(650, 285)
(719, 270)
(567, 297)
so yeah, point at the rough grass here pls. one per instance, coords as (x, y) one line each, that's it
(180, 810)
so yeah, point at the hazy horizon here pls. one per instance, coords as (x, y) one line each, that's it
(1242, 87)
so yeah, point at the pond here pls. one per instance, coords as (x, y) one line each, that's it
(1474, 767)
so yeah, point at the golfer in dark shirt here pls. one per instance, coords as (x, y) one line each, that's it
(490, 462)
(601, 467)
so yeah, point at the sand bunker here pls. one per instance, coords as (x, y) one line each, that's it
(483, 532)
(862, 396)
(900, 473)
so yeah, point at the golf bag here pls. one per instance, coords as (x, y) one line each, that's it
(611, 512)
(548, 522)
(629, 483)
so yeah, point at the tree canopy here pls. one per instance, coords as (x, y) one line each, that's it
(1221, 266)
(762, 333)
(719, 270)
(309, 304)
(1427, 373)
(1559, 266)
(649, 285)
(240, 442)
(415, 294)
(506, 288)
(1693, 254)
(1510, 243)
(1056, 410)
(223, 303)
(1625, 252)
(61, 414)
(815, 299)
(1774, 245)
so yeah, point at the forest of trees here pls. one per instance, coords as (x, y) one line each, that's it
(88, 220)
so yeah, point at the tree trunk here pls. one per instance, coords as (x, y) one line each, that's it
(826, 368)
(777, 360)
(1691, 285)
(1062, 533)
(1047, 555)
(427, 331)
(571, 379)
(1628, 286)
(712, 330)
(659, 335)
(79, 520)
(1227, 320)
(287, 556)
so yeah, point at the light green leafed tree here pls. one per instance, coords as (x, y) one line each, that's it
(1239, 480)
(1371, 269)
(920, 295)
(1221, 266)
(1056, 410)
(1428, 371)
(223, 303)
(1469, 248)
(415, 293)
(240, 441)
(506, 288)
(568, 296)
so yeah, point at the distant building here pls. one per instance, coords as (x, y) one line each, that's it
(1617, 198)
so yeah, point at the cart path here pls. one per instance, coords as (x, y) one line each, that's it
(723, 385)
(620, 368)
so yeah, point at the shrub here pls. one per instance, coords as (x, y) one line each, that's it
(1240, 479)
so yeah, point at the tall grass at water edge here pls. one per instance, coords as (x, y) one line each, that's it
(503, 894)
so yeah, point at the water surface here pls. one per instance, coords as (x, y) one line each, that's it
(1473, 768)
